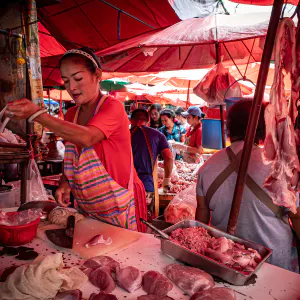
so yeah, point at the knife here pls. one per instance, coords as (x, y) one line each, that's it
(63, 237)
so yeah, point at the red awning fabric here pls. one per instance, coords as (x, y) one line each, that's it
(190, 44)
(263, 2)
(95, 23)
(48, 45)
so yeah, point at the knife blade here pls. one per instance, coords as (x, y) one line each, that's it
(63, 237)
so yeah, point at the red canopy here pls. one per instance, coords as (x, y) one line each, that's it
(190, 44)
(263, 2)
(95, 23)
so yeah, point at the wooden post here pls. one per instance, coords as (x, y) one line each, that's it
(188, 96)
(254, 116)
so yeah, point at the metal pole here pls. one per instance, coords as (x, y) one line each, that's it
(254, 116)
(218, 59)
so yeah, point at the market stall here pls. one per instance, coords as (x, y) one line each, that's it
(144, 253)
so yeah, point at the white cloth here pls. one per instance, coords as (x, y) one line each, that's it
(41, 280)
(256, 222)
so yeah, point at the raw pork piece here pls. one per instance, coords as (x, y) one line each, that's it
(102, 296)
(280, 143)
(102, 279)
(157, 284)
(215, 294)
(101, 261)
(190, 280)
(129, 278)
(98, 239)
(69, 295)
(153, 297)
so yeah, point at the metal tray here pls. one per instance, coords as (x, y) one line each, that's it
(207, 264)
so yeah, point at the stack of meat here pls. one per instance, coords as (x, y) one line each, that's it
(221, 249)
(105, 273)
(195, 282)
(182, 176)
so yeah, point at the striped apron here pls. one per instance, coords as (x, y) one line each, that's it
(95, 192)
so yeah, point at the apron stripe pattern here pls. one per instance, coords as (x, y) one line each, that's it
(95, 191)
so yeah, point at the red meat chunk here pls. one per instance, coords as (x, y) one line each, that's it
(129, 278)
(215, 294)
(102, 296)
(102, 279)
(157, 284)
(101, 261)
(190, 280)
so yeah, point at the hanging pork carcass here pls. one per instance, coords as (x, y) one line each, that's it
(280, 145)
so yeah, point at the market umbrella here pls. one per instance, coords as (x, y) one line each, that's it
(191, 44)
(263, 2)
(111, 85)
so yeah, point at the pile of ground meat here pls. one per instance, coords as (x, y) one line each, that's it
(195, 238)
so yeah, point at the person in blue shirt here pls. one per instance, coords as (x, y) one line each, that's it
(147, 143)
(171, 128)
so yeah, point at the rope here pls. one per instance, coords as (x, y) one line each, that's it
(249, 59)
(232, 59)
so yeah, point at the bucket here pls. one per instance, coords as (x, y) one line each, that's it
(231, 100)
(211, 134)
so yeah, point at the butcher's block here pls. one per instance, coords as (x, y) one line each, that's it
(87, 229)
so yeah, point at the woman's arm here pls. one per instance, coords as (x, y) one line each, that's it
(194, 149)
(202, 211)
(82, 136)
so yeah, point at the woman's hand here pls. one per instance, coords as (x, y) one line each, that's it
(63, 193)
(22, 109)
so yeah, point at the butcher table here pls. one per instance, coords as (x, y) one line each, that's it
(271, 282)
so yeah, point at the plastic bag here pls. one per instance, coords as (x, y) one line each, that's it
(215, 84)
(20, 218)
(35, 186)
(183, 206)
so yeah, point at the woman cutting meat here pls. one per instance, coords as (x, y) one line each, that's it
(98, 164)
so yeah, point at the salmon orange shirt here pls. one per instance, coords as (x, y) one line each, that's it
(115, 151)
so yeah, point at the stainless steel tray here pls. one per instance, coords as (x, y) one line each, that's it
(207, 264)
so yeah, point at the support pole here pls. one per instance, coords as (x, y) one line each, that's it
(254, 116)
(218, 60)
(222, 126)
(188, 96)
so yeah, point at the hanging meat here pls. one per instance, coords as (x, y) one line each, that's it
(280, 144)
(295, 95)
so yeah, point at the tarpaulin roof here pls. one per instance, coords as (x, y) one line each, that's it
(190, 44)
(263, 2)
(99, 24)
(48, 45)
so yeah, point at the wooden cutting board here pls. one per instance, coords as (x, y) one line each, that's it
(87, 229)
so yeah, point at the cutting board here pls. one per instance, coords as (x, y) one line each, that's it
(87, 229)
